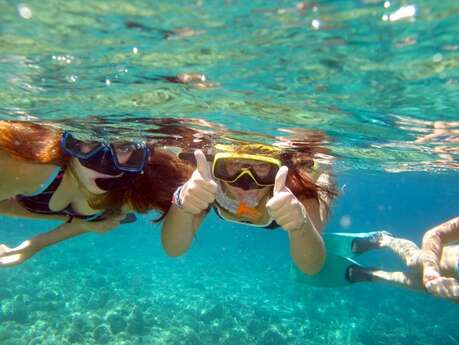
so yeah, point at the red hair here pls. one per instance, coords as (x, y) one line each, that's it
(32, 142)
(164, 172)
(300, 180)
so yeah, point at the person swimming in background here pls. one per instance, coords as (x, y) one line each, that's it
(439, 138)
(196, 80)
(433, 268)
(255, 185)
(46, 173)
(445, 138)
(165, 34)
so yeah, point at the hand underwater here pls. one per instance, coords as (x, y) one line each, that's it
(200, 190)
(443, 287)
(284, 207)
(15, 256)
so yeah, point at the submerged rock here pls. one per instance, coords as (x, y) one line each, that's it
(15, 310)
(213, 313)
(272, 337)
(255, 327)
(102, 334)
(236, 337)
(74, 336)
(186, 336)
(116, 322)
(98, 300)
(136, 323)
(5, 333)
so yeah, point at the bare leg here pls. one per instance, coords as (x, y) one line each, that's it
(449, 261)
(409, 279)
(358, 274)
(408, 251)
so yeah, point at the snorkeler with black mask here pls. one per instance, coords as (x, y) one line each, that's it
(117, 163)
(49, 174)
(100, 168)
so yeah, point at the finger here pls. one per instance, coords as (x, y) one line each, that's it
(202, 165)
(3, 249)
(280, 211)
(191, 209)
(281, 179)
(6, 251)
(197, 203)
(207, 185)
(211, 186)
(10, 260)
(285, 219)
(204, 195)
(199, 191)
(278, 200)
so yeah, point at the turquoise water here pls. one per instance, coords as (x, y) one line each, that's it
(375, 76)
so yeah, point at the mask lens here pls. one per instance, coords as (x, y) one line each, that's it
(130, 156)
(229, 169)
(78, 148)
(226, 169)
(265, 173)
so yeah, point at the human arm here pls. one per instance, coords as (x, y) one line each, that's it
(433, 243)
(179, 229)
(303, 223)
(194, 197)
(17, 255)
(19, 176)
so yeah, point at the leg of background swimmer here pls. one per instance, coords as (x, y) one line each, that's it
(449, 263)
(446, 287)
(409, 279)
(408, 251)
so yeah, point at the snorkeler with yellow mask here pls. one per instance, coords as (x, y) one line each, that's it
(255, 185)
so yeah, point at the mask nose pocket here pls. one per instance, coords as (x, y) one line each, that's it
(245, 182)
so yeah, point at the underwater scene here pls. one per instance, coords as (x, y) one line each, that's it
(366, 90)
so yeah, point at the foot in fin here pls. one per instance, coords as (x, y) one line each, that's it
(372, 241)
(357, 274)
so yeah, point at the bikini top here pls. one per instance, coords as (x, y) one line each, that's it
(38, 202)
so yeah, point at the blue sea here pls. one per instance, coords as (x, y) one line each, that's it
(379, 78)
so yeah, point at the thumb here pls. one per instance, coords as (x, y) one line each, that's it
(202, 165)
(281, 178)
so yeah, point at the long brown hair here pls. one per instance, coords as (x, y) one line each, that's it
(32, 142)
(153, 189)
(300, 178)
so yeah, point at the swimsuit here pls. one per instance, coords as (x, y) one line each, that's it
(38, 202)
(271, 225)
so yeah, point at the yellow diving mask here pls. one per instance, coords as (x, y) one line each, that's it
(247, 171)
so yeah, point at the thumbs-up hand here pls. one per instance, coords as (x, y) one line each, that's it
(200, 190)
(284, 207)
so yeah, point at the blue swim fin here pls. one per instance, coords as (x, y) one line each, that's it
(333, 274)
(350, 244)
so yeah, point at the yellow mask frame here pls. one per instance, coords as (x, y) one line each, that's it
(254, 157)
